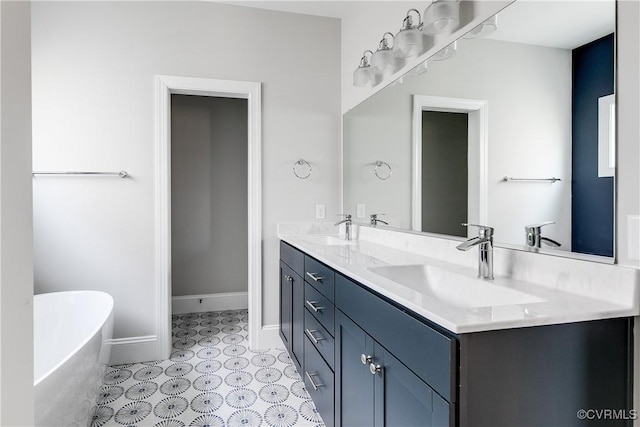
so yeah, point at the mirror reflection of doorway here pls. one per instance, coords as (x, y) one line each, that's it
(445, 156)
(455, 164)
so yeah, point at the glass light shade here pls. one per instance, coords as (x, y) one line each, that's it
(446, 53)
(485, 29)
(384, 61)
(442, 16)
(408, 42)
(364, 76)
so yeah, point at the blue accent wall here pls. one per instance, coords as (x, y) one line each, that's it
(592, 205)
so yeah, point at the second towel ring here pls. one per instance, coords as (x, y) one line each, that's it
(379, 170)
(300, 170)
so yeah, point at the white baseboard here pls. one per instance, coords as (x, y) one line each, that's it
(145, 348)
(209, 302)
(133, 350)
(270, 337)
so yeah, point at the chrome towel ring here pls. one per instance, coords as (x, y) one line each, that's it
(302, 169)
(380, 169)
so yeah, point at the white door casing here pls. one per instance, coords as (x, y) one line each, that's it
(251, 91)
(478, 138)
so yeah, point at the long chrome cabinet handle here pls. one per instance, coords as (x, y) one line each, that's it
(313, 383)
(310, 333)
(315, 276)
(313, 305)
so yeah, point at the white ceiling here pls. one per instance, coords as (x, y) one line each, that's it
(563, 24)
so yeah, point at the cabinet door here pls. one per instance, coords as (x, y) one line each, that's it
(297, 321)
(354, 382)
(286, 281)
(402, 398)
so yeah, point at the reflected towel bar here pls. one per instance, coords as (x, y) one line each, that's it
(551, 180)
(121, 174)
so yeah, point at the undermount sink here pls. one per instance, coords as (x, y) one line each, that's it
(319, 239)
(453, 288)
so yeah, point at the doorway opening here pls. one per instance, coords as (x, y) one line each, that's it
(445, 180)
(206, 96)
(209, 235)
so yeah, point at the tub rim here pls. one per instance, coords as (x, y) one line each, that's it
(94, 331)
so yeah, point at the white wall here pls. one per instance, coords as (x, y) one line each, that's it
(93, 74)
(528, 89)
(628, 156)
(16, 247)
(208, 195)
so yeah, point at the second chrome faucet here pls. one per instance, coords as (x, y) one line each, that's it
(347, 225)
(484, 241)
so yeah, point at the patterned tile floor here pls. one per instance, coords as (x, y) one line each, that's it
(212, 379)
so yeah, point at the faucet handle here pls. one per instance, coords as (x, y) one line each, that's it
(539, 225)
(374, 220)
(484, 230)
(346, 216)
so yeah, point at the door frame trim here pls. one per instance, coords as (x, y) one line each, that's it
(251, 91)
(478, 111)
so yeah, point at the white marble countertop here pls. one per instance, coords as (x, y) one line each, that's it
(554, 302)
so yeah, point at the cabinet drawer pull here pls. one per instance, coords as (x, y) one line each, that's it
(315, 276)
(375, 369)
(313, 383)
(288, 278)
(313, 305)
(310, 333)
(364, 358)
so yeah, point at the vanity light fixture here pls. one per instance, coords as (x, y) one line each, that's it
(409, 41)
(384, 61)
(446, 53)
(485, 29)
(364, 76)
(441, 16)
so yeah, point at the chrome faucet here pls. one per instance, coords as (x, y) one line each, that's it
(375, 220)
(485, 243)
(347, 226)
(534, 235)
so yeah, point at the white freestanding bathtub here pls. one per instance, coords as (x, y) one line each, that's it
(70, 354)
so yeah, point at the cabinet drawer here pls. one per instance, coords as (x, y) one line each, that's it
(320, 276)
(292, 257)
(318, 380)
(319, 337)
(431, 355)
(319, 306)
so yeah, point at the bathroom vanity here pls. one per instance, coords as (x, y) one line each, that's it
(386, 337)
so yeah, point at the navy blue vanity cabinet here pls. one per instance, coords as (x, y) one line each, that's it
(548, 375)
(292, 302)
(319, 311)
(368, 361)
(391, 369)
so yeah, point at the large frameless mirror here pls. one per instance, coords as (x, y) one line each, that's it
(516, 130)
